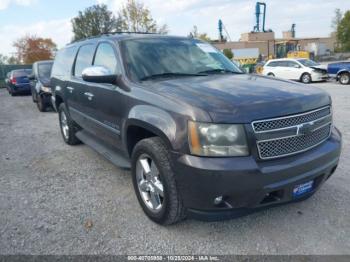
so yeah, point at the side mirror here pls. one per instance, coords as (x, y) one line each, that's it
(99, 74)
(31, 77)
(297, 66)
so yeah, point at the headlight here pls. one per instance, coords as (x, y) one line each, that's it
(217, 139)
(46, 89)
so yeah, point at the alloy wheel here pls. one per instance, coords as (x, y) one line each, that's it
(149, 183)
(344, 79)
(64, 125)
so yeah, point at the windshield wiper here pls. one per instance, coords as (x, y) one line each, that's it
(219, 70)
(170, 75)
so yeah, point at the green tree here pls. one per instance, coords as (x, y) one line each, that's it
(336, 19)
(12, 60)
(343, 32)
(195, 34)
(228, 53)
(3, 59)
(135, 17)
(93, 21)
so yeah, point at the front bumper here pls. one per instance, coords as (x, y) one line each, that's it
(316, 77)
(247, 184)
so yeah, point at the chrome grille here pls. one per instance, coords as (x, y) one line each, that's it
(266, 125)
(290, 135)
(290, 145)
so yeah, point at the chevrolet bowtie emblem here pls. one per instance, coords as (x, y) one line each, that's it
(305, 129)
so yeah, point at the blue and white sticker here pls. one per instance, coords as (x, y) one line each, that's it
(206, 48)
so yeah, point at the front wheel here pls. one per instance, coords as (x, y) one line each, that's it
(344, 78)
(41, 104)
(154, 182)
(306, 78)
(68, 127)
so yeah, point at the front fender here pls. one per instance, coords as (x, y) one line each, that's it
(154, 120)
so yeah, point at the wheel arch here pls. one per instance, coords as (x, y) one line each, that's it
(147, 121)
(342, 71)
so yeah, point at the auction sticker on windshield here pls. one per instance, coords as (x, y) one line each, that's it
(207, 48)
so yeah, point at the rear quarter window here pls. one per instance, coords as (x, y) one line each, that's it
(63, 63)
(272, 64)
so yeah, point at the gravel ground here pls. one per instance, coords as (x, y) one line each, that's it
(57, 199)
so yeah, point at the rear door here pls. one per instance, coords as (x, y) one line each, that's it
(282, 70)
(294, 70)
(79, 103)
(108, 100)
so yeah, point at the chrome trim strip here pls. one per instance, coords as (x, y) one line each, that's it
(296, 135)
(286, 117)
(296, 152)
(113, 130)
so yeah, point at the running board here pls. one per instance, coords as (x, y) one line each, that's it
(105, 150)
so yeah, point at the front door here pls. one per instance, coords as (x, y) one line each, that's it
(108, 100)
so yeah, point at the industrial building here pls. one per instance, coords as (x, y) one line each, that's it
(263, 43)
(268, 45)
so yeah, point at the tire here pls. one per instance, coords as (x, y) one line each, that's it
(171, 209)
(41, 104)
(34, 97)
(271, 74)
(344, 78)
(70, 128)
(306, 78)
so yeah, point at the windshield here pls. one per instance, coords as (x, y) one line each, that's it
(44, 70)
(307, 62)
(177, 57)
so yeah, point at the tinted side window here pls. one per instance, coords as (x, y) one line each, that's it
(63, 62)
(84, 59)
(105, 56)
(292, 64)
(283, 63)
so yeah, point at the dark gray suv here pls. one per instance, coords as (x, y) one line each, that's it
(202, 138)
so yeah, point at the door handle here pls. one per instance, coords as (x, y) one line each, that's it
(89, 95)
(70, 89)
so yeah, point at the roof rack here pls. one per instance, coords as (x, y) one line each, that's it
(113, 33)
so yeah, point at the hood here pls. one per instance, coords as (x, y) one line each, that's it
(320, 68)
(242, 98)
(45, 81)
(324, 67)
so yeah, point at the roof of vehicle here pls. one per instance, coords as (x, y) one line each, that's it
(117, 36)
(286, 59)
(43, 62)
(19, 70)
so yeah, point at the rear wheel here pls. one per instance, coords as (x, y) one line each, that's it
(68, 127)
(271, 74)
(154, 182)
(344, 78)
(306, 78)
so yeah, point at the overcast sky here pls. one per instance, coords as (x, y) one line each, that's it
(48, 18)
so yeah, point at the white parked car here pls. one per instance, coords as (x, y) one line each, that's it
(303, 70)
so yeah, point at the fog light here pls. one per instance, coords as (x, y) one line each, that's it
(218, 200)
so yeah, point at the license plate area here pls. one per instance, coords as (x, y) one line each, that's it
(302, 189)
